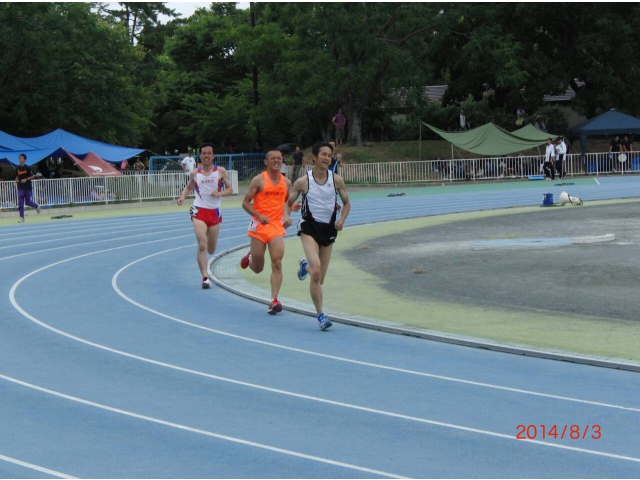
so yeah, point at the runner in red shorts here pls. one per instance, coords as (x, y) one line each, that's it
(211, 183)
(269, 192)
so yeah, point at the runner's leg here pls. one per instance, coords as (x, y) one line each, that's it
(276, 252)
(256, 261)
(200, 229)
(312, 253)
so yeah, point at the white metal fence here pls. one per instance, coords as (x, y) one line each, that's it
(92, 190)
(484, 168)
(156, 186)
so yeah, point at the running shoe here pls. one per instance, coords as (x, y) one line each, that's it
(206, 283)
(274, 307)
(244, 262)
(21, 220)
(38, 209)
(302, 273)
(324, 322)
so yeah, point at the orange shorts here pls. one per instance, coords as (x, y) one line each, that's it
(265, 233)
(208, 216)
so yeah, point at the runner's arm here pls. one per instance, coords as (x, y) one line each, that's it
(346, 205)
(256, 185)
(228, 187)
(188, 188)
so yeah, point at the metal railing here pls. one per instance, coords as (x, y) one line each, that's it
(246, 164)
(93, 190)
(484, 168)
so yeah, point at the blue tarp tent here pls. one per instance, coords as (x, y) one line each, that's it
(55, 143)
(607, 123)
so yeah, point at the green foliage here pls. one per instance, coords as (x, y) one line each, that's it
(65, 67)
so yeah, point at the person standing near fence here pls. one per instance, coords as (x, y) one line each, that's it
(298, 157)
(549, 156)
(211, 184)
(264, 201)
(24, 175)
(318, 227)
(339, 121)
(561, 151)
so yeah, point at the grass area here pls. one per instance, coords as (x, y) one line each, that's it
(349, 289)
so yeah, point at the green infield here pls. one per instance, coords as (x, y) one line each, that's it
(350, 289)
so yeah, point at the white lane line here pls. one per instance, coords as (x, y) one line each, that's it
(110, 232)
(199, 431)
(104, 240)
(596, 180)
(63, 235)
(113, 239)
(276, 390)
(35, 467)
(114, 284)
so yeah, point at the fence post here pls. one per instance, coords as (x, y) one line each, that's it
(139, 187)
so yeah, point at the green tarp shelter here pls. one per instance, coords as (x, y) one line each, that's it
(492, 140)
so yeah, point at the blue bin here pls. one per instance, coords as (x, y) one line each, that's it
(547, 199)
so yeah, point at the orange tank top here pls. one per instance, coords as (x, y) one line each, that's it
(271, 199)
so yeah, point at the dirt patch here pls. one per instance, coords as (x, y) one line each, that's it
(437, 263)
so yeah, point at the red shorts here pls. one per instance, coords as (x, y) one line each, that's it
(208, 216)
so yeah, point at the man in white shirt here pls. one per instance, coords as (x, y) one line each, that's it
(550, 154)
(188, 163)
(561, 150)
(463, 121)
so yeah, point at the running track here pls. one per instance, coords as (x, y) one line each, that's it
(114, 363)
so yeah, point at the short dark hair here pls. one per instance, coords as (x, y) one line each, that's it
(207, 144)
(266, 154)
(22, 155)
(316, 147)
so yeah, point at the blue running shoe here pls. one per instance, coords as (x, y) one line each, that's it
(302, 273)
(324, 322)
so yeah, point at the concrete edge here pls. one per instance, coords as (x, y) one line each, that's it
(400, 329)
(609, 237)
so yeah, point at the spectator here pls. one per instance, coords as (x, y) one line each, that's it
(298, 157)
(336, 160)
(614, 150)
(627, 147)
(188, 163)
(550, 154)
(124, 165)
(138, 166)
(24, 175)
(463, 121)
(339, 121)
(520, 114)
(283, 168)
(540, 125)
(561, 150)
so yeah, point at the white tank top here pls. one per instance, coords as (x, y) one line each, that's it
(204, 185)
(319, 203)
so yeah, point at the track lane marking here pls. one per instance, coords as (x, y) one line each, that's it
(198, 431)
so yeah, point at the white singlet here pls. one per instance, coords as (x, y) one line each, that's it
(204, 185)
(319, 203)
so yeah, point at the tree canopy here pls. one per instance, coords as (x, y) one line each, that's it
(124, 75)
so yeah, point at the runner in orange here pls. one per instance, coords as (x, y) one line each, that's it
(269, 193)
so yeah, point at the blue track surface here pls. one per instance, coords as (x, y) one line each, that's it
(115, 363)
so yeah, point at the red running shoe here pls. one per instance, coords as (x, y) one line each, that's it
(274, 307)
(244, 263)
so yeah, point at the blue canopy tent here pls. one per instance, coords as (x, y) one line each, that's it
(55, 143)
(607, 123)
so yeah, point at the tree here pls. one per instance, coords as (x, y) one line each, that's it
(66, 67)
(350, 55)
